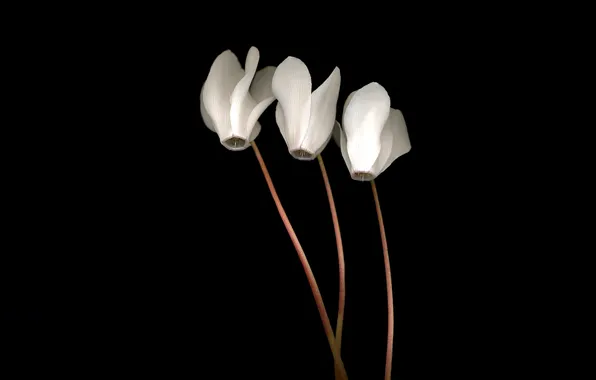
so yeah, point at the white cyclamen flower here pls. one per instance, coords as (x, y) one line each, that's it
(305, 120)
(373, 134)
(232, 99)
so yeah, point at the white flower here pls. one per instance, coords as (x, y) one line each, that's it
(230, 104)
(373, 134)
(305, 120)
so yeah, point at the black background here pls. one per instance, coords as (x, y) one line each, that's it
(158, 249)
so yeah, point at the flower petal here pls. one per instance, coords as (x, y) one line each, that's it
(260, 89)
(257, 111)
(292, 88)
(322, 114)
(223, 76)
(340, 137)
(364, 118)
(206, 118)
(386, 144)
(254, 133)
(347, 103)
(241, 101)
(281, 122)
(398, 134)
(337, 133)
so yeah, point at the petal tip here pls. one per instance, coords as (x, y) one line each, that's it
(293, 61)
(253, 52)
(226, 52)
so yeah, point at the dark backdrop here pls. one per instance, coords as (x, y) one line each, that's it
(158, 249)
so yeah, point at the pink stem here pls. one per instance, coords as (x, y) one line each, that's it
(309, 274)
(389, 286)
(340, 257)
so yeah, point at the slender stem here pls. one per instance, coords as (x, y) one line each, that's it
(389, 286)
(340, 258)
(309, 274)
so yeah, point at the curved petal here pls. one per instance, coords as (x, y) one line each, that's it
(386, 144)
(324, 144)
(322, 114)
(260, 89)
(367, 110)
(364, 118)
(398, 134)
(281, 122)
(292, 87)
(206, 118)
(337, 133)
(254, 133)
(241, 101)
(340, 137)
(256, 112)
(347, 103)
(223, 76)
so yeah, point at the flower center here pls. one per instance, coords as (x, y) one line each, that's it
(302, 154)
(234, 142)
(363, 176)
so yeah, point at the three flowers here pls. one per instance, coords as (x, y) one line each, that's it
(371, 134)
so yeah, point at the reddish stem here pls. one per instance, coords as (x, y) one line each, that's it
(340, 257)
(389, 286)
(309, 274)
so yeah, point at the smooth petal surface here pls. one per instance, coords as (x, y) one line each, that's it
(241, 101)
(261, 92)
(223, 76)
(256, 112)
(346, 103)
(280, 119)
(386, 145)
(364, 118)
(255, 132)
(322, 114)
(260, 89)
(398, 135)
(340, 138)
(292, 87)
(206, 118)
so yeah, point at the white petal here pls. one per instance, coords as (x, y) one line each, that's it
(386, 144)
(260, 89)
(337, 133)
(292, 88)
(206, 118)
(223, 76)
(398, 134)
(340, 137)
(241, 101)
(364, 118)
(322, 146)
(347, 103)
(255, 132)
(257, 111)
(322, 114)
(281, 122)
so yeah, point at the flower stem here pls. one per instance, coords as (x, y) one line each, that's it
(389, 286)
(340, 257)
(309, 274)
